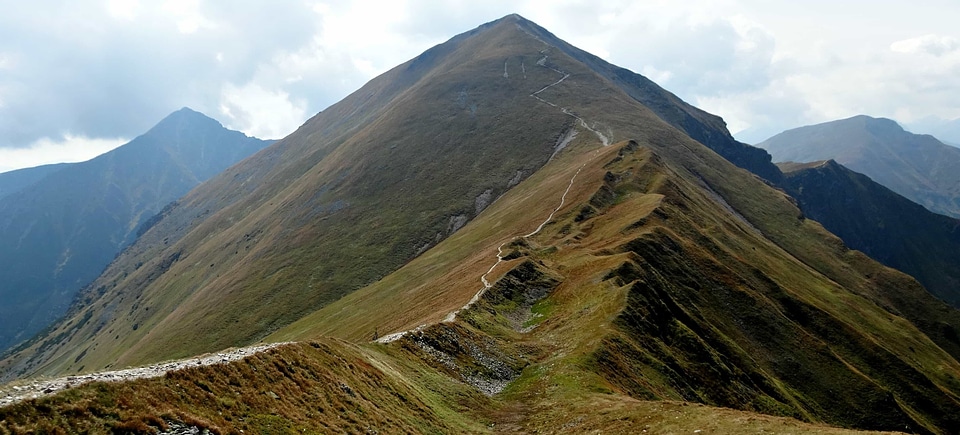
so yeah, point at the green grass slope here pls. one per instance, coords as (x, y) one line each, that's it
(569, 282)
(666, 293)
(324, 386)
(360, 189)
(329, 386)
(667, 275)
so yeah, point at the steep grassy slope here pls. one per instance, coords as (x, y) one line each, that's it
(919, 167)
(60, 230)
(566, 279)
(325, 386)
(666, 293)
(328, 386)
(882, 224)
(667, 273)
(357, 191)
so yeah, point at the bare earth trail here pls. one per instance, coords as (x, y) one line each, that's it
(32, 389)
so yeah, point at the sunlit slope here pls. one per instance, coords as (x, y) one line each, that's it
(673, 289)
(565, 384)
(679, 275)
(360, 189)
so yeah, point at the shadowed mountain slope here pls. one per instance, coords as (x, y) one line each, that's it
(886, 226)
(622, 262)
(919, 167)
(704, 127)
(13, 181)
(60, 230)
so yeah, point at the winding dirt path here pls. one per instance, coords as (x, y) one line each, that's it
(452, 316)
(483, 278)
(564, 75)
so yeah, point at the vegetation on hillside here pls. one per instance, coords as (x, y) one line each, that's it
(669, 282)
(882, 224)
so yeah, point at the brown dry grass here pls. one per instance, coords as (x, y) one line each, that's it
(318, 387)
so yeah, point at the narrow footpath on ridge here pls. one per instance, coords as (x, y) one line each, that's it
(483, 278)
(32, 389)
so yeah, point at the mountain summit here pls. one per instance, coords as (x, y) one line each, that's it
(537, 240)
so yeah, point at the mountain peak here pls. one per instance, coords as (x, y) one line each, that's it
(919, 167)
(878, 125)
(513, 17)
(186, 116)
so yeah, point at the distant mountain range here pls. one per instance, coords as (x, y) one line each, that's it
(919, 167)
(60, 225)
(537, 241)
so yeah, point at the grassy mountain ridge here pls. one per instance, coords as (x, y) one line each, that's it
(331, 386)
(622, 311)
(62, 229)
(563, 384)
(332, 207)
(704, 127)
(663, 271)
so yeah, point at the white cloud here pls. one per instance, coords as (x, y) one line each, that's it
(260, 112)
(114, 69)
(123, 9)
(930, 44)
(69, 149)
(187, 15)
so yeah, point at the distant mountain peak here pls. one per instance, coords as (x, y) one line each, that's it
(187, 116)
(919, 167)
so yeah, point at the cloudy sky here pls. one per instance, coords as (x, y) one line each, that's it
(78, 78)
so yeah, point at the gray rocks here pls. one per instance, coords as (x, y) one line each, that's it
(483, 200)
(175, 428)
